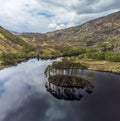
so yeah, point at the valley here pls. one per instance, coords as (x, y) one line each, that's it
(97, 41)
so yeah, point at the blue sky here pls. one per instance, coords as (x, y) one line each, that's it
(49, 15)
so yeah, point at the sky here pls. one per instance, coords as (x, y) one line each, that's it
(48, 15)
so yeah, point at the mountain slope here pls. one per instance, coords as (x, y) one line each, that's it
(101, 32)
(35, 38)
(102, 29)
(10, 43)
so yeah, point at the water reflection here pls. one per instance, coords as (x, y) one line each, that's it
(23, 96)
(17, 83)
(70, 94)
(67, 82)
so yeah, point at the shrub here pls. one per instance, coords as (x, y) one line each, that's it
(73, 52)
(109, 56)
(113, 57)
(96, 55)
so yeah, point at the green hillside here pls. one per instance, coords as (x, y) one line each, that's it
(10, 43)
(13, 48)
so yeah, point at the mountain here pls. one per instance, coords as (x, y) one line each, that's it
(100, 29)
(104, 31)
(36, 37)
(10, 43)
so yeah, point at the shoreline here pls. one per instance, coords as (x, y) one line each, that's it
(102, 66)
(95, 65)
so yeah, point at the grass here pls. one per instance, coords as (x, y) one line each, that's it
(100, 65)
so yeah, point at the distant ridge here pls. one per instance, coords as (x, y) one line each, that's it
(100, 29)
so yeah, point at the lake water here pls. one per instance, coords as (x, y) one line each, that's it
(24, 97)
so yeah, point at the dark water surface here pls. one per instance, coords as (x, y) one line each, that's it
(24, 97)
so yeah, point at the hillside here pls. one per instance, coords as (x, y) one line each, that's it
(6, 44)
(13, 49)
(102, 32)
(100, 29)
(35, 37)
(10, 43)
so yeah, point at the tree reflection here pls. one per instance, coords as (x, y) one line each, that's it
(65, 82)
(70, 94)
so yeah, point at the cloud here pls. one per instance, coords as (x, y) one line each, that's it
(52, 25)
(17, 82)
(49, 15)
(56, 26)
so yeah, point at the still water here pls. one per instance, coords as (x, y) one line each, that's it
(24, 96)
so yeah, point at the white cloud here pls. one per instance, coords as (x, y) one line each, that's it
(52, 25)
(48, 15)
(55, 26)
